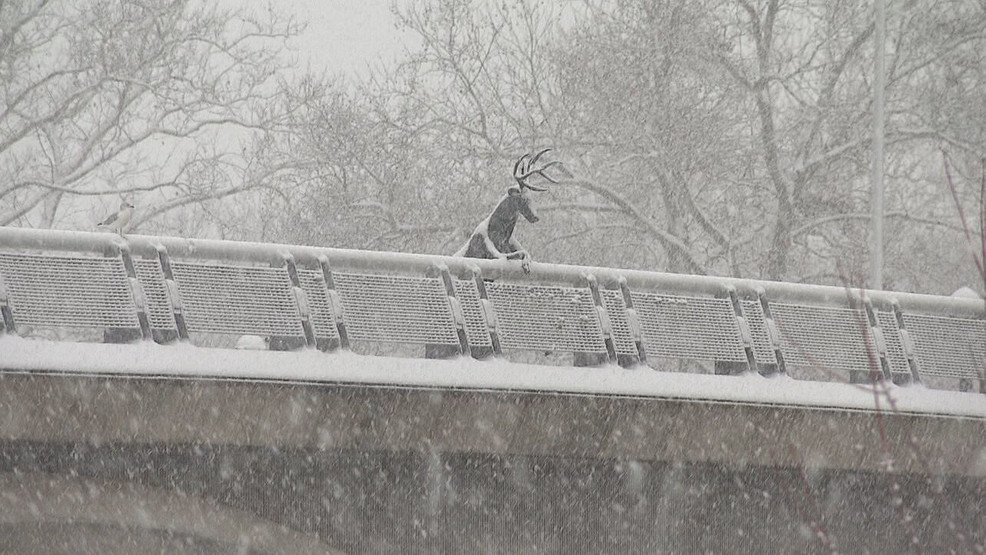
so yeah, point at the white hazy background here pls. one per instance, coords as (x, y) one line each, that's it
(344, 37)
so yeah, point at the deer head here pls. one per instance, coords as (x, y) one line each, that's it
(517, 200)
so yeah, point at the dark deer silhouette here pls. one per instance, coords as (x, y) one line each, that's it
(494, 236)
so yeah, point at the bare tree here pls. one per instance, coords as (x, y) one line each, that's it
(157, 100)
(806, 68)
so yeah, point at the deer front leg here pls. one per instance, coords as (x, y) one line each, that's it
(518, 254)
(521, 253)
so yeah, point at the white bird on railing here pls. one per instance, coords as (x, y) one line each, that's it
(118, 220)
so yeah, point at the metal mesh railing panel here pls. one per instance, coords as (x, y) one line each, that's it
(896, 356)
(688, 327)
(823, 337)
(323, 319)
(396, 309)
(237, 299)
(550, 318)
(160, 313)
(763, 351)
(477, 332)
(948, 347)
(68, 291)
(616, 309)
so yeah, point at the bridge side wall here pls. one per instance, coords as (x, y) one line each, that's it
(53, 408)
(396, 470)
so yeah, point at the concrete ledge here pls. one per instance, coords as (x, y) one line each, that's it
(308, 366)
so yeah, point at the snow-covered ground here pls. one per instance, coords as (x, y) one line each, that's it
(186, 361)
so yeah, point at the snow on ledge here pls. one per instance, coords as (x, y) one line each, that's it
(186, 361)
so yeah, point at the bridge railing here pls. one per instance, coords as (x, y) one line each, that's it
(171, 289)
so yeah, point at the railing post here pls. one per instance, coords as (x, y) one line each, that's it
(488, 313)
(174, 296)
(728, 367)
(137, 290)
(879, 342)
(6, 315)
(636, 330)
(590, 359)
(127, 335)
(335, 301)
(774, 334)
(434, 351)
(301, 300)
(907, 344)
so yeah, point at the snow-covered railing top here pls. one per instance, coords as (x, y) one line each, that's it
(167, 289)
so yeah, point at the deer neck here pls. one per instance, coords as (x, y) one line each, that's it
(502, 223)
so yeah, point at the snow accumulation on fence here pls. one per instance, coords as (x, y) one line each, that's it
(190, 362)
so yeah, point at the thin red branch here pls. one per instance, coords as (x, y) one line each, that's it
(976, 258)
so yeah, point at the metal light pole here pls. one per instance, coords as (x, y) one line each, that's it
(876, 199)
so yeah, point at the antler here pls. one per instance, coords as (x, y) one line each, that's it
(522, 170)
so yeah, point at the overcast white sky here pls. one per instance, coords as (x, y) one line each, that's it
(345, 35)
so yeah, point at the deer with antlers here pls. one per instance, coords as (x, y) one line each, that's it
(494, 236)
